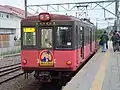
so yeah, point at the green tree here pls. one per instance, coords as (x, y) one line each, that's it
(99, 33)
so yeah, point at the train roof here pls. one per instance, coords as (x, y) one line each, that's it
(58, 17)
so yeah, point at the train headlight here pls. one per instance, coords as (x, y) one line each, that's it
(44, 17)
(41, 17)
(24, 61)
(68, 62)
(47, 17)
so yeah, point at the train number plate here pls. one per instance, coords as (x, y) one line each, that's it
(46, 63)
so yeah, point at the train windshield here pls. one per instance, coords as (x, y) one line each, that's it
(64, 37)
(29, 37)
(46, 38)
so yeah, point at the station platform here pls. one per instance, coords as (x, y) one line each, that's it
(102, 72)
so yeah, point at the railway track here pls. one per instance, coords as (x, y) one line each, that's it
(9, 66)
(55, 86)
(10, 72)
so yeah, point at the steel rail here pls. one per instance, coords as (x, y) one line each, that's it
(9, 65)
(11, 78)
(6, 73)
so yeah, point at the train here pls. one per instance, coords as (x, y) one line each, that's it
(54, 46)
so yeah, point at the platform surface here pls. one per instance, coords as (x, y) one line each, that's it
(102, 72)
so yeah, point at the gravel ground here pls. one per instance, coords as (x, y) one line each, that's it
(5, 77)
(20, 83)
(28, 84)
(9, 60)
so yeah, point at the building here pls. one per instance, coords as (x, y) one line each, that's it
(10, 18)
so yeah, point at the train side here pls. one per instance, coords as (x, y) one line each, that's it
(55, 46)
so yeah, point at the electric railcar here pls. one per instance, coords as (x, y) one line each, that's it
(54, 46)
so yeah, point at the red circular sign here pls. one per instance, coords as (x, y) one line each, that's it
(46, 56)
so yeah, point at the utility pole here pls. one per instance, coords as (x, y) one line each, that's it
(25, 8)
(117, 15)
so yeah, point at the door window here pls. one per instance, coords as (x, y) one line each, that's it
(46, 38)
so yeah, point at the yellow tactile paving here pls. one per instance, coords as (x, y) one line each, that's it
(98, 81)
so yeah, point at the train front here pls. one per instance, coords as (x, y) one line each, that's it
(47, 46)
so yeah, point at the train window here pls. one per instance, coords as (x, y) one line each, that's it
(92, 34)
(77, 36)
(80, 35)
(88, 32)
(29, 36)
(46, 38)
(81, 28)
(85, 35)
(63, 37)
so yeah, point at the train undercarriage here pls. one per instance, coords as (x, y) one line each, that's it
(60, 77)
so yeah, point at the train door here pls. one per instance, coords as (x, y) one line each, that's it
(95, 37)
(82, 41)
(46, 46)
(90, 39)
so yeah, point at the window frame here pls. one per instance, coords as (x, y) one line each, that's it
(77, 36)
(81, 29)
(39, 36)
(28, 46)
(55, 40)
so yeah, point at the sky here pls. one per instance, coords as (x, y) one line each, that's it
(94, 15)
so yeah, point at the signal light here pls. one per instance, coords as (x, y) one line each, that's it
(68, 62)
